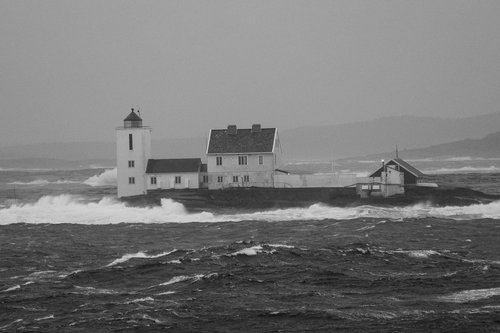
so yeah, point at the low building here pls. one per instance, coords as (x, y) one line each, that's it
(411, 175)
(243, 157)
(390, 179)
(179, 173)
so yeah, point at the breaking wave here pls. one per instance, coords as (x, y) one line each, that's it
(73, 209)
(138, 255)
(465, 169)
(43, 182)
(470, 295)
(107, 178)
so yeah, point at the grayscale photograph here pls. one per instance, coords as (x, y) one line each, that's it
(249, 166)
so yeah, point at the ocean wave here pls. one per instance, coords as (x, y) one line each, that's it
(182, 278)
(250, 251)
(464, 169)
(470, 295)
(138, 255)
(107, 178)
(16, 287)
(43, 182)
(73, 209)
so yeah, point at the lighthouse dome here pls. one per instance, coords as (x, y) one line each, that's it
(133, 120)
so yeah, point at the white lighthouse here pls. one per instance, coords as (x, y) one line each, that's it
(133, 150)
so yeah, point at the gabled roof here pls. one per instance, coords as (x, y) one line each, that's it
(132, 116)
(173, 165)
(403, 165)
(243, 141)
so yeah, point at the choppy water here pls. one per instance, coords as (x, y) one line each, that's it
(74, 259)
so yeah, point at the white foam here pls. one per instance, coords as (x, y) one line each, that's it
(464, 169)
(470, 295)
(107, 178)
(141, 300)
(251, 251)
(281, 246)
(140, 255)
(94, 291)
(73, 209)
(43, 182)
(419, 253)
(182, 278)
(16, 287)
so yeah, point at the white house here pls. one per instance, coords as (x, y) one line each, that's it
(245, 157)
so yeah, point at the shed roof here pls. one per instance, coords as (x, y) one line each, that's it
(243, 141)
(173, 165)
(402, 164)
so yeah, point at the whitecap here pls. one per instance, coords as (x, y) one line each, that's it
(16, 287)
(470, 295)
(464, 169)
(45, 318)
(250, 251)
(94, 291)
(177, 261)
(138, 255)
(141, 300)
(182, 278)
(66, 208)
(418, 253)
(281, 246)
(107, 178)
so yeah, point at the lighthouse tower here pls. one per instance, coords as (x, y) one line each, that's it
(133, 150)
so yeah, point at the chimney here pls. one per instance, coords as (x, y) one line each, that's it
(232, 130)
(256, 128)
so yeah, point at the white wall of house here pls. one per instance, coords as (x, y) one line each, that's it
(316, 180)
(188, 180)
(259, 175)
(392, 182)
(131, 180)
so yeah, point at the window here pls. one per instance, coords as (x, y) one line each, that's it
(235, 179)
(261, 160)
(131, 180)
(218, 160)
(177, 179)
(205, 179)
(130, 142)
(153, 180)
(220, 179)
(242, 160)
(246, 178)
(131, 164)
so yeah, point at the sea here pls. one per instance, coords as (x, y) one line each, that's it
(73, 258)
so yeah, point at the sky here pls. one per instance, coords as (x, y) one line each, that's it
(72, 70)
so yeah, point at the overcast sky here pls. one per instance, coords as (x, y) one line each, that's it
(71, 70)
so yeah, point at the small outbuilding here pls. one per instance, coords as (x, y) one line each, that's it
(411, 175)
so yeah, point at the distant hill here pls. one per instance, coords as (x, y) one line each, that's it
(487, 147)
(382, 135)
(319, 142)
